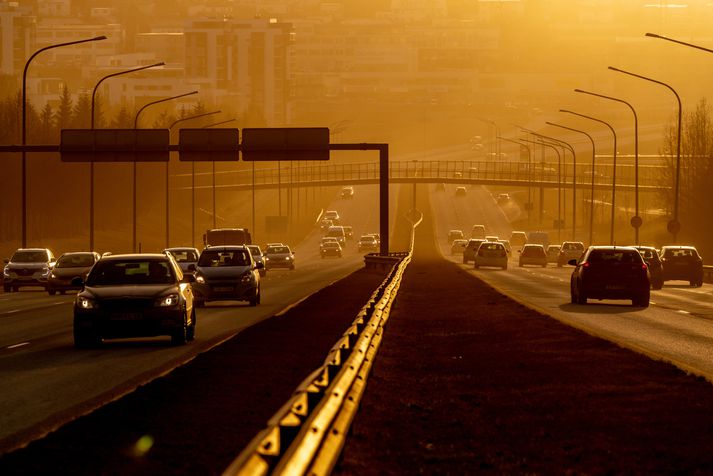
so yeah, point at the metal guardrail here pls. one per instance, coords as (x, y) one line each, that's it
(307, 434)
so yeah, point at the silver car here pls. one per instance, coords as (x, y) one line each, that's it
(185, 256)
(226, 273)
(27, 267)
(68, 267)
(258, 257)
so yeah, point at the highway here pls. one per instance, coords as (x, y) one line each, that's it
(676, 327)
(46, 382)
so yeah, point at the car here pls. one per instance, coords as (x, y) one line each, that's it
(347, 192)
(653, 261)
(68, 267)
(458, 246)
(332, 215)
(185, 256)
(348, 232)
(569, 250)
(227, 273)
(470, 249)
(491, 253)
(553, 253)
(478, 231)
(491, 238)
(256, 251)
(503, 198)
(610, 272)
(330, 248)
(377, 237)
(518, 238)
(440, 187)
(367, 243)
(539, 238)
(325, 223)
(27, 267)
(532, 254)
(506, 244)
(134, 295)
(682, 263)
(279, 257)
(461, 192)
(455, 235)
(338, 233)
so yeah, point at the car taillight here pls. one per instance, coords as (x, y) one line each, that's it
(585, 265)
(644, 267)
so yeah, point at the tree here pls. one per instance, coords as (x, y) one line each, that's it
(123, 120)
(81, 114)
(46, 130)
(63, 116)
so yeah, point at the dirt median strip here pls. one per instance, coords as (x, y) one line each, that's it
(468, 381)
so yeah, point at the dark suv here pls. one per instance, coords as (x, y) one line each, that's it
(27, 267)
(652, 260)
(471, 249)
(682, 262)
(610, 272)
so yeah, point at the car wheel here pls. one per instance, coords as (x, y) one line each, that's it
(505, 267)
(642, 300)
(61, 292)
(86, 339)
(6, 288)
(465, 261)
(256, 299)
(657, 285)
(180, 336)
(475, 266)
(198, 303)
(191, 332)
(16, 289)
(51, 292)
(581, 297)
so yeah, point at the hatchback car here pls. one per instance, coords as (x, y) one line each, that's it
(227, 273)
(471, 249)
(134, 295)
(610, 272)
(652, 260)
(258, 258)
(185, 256)
(455, 235)
(332, 215)
(569, 250)
(330, 248)
(682, 262)
(458, 246)
(478, 231)
(347, 192)
(461, 192)
(279, 257)
(534, 255)
(491, 253)
(68, 267)
(27, 267)
(367, 243)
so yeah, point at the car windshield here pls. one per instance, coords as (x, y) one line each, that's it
(27, 256)
(183, 256)
(648, 254)
(573, 246)
(532, 250)
(278, 250)
(130, 271)
(613, 256)
(255, 250)
(679, 253)
(221, 258)
(75, 261)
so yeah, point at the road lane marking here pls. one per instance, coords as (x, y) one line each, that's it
(21, 344)
(682, 311)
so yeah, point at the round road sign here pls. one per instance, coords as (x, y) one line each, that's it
(636, 221)
(673, 227)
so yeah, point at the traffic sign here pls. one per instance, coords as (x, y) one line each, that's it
(208, 144)
(114, 145)
(673, 227)
(636, 221)
(286, 143)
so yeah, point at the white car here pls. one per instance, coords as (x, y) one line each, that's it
(492, 254)
(533, 255)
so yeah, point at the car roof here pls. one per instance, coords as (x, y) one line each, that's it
(226, 247)
(180, 248)
(135, 256)
(679, 247)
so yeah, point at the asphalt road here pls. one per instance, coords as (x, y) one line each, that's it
(46, 382)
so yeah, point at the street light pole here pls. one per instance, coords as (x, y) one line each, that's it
(613, 183)
(193, 175)
(529, 174)
(213, 166)
(636, 220)
(591, 201)
(136, 126)
(91, 164)
(559, 182)
(24, 125)
(661, 37)
(674, 225)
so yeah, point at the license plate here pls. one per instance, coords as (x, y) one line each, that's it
(222, 289)
(127, 316)
(614, 287)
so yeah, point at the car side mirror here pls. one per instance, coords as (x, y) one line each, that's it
(572, 262)
(191, 267)
(78, 281)
(259, 265)
(188, 278)
(6, 261)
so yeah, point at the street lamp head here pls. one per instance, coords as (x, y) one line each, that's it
(653, 35)
(97, 38)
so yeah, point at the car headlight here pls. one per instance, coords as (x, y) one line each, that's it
(200, 279)
(86, 303)
(167, 301)
(6, 271)
(247, 278)
(288, 258)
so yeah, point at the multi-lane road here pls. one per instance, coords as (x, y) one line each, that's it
(46, 382)
(676, 327)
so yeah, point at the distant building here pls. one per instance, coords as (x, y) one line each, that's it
(17, 37)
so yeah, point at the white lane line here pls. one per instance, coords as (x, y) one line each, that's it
(21, 344)
(681, 311)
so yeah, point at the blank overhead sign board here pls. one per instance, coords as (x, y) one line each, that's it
(208, 144)
(114, 145)
(286, 143)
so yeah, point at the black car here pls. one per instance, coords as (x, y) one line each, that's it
(471, 249)
(227, 273)
(652, 260)
(134, 295)
(610, 272)
(68, 267)
(682, 262)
